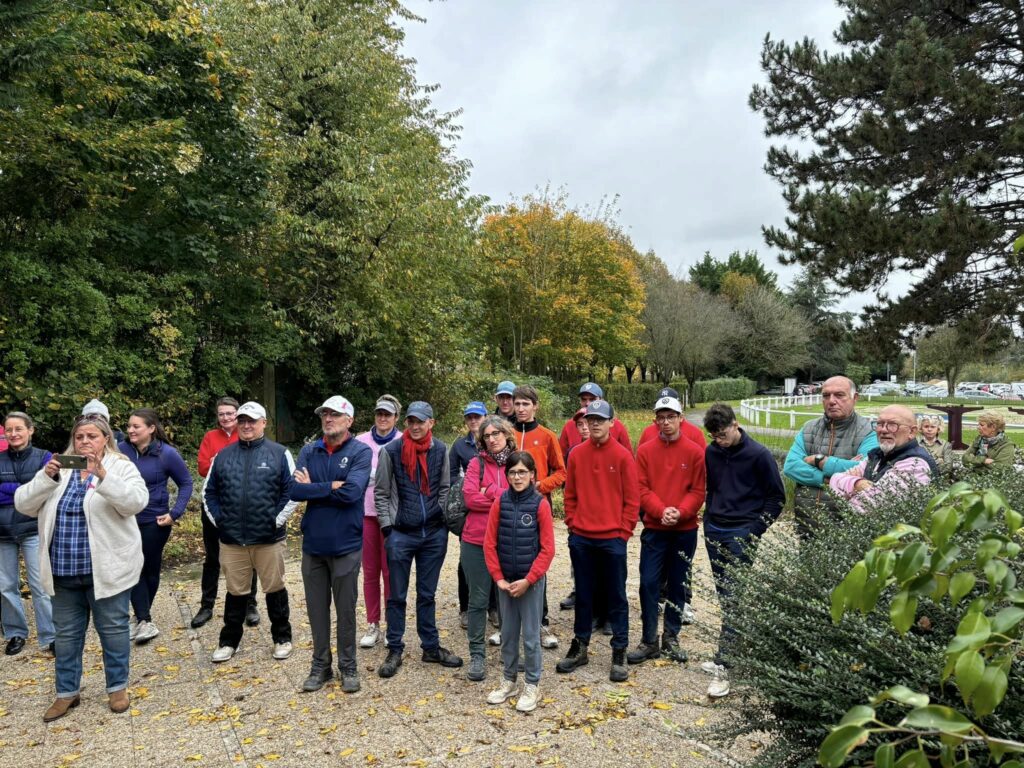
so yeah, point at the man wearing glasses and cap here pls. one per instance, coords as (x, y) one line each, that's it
(246, 496)
(503, 397)
(691, 432)
(410, 492)
(331, 477)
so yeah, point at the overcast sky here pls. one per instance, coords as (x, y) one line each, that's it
(643, 99)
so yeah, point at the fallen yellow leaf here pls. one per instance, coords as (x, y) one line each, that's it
(346, 752)
(660, 705)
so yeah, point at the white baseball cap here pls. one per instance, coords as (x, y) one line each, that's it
(668, 404)
(338, 404)
(252, 410)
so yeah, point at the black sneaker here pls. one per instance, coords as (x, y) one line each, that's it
(441, 656)
(618, 673)
(643, 652)
(576, 657)
(350, 681)
(14, 646)
(317, 678)
(568, 603)
(391, 664)
(252, 616)
(670, 647)
(202, 616)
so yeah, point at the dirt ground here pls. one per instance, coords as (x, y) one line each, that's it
(250, 711)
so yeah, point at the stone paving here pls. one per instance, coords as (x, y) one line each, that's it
(250, 712)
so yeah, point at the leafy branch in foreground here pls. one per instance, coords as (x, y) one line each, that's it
(963, 546)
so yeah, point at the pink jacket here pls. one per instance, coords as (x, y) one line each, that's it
(369, 510)
(900, 476)
(480, 496)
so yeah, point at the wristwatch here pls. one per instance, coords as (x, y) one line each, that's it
(819, 458)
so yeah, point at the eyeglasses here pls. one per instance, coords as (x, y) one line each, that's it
(226, 415)
(493, 435)
(666, 417)
(518, 473)
(889, 426)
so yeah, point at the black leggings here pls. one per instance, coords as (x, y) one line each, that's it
(154, 537)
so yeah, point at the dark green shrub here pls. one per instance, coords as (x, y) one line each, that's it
(798, 673)
(713, 390)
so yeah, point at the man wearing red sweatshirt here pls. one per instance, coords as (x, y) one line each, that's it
(602, 503)
(671, 474)
(213, 443)
(570, 436)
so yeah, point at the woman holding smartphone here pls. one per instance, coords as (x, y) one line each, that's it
(90, 556)
(157, 460)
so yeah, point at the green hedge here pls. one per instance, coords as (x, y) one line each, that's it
(713, 390)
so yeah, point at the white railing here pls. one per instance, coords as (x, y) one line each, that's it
(758, 410)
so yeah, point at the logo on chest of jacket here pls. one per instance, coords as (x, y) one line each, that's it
(684, 465)
(343, 463)
(263, 465)
(526, 519)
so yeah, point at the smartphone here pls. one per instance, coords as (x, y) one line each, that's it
(71, 461)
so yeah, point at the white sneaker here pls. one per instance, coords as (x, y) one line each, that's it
(503, 693)
(711, 668)
(495, 639)
(371, 637)
(719, 685)
(145, 631)
(282, 650)
(688, 616)
(223, 653)
(528, 700)
(547, 640)
(133, 628)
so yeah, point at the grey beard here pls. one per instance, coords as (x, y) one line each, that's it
(887, 449)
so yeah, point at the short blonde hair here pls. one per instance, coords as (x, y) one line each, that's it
(993, 419)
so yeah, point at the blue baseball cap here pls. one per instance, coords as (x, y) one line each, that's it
(419, 410)
(668, 392)
(590, 388)
(505, 388)
(475, 408)
(600, 408)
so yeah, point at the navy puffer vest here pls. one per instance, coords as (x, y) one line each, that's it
(18, 467)
(518, 532)
(418, 513)
(249, 488)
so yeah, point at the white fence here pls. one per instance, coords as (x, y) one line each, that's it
(758, 410)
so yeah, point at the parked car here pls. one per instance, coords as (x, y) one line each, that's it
(975, 394)
(933, 391)
(771, 391)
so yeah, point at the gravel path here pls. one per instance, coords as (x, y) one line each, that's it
(249, 712)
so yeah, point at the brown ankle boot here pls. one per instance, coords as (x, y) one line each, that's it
(60, 707)
(118, 701)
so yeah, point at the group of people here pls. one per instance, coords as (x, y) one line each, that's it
(92, 533)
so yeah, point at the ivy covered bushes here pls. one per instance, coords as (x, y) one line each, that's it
(797, 673)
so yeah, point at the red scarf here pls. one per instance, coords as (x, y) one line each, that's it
(413, 452)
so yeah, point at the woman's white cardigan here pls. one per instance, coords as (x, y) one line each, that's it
(110, 509)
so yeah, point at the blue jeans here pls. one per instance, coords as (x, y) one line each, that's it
(520, 616)
(726, 546)
(73, 601)
(607, 558)
(11, 609)
(665, 556)
(428, 552)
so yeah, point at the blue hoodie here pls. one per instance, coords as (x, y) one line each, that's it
(744, 486)
(156, 464)
(333, 523)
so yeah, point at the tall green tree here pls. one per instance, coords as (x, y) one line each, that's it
(709, 273)
(772, 339)
(914, 136)
(371, 248)
(129, 183)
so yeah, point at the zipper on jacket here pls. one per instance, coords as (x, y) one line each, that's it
(245, 496)
(515, 539)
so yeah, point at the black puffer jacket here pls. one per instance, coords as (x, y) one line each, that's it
(17, 468)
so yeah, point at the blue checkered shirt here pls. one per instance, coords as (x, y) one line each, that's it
(69, 549)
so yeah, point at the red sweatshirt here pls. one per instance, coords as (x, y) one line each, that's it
(213, 443)
(547, 542)
(671, 475)
(690, 431)
(602, 494)
(570, 437)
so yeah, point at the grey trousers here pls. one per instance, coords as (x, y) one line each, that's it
(521, 616)
(325, 578)
(479, 580)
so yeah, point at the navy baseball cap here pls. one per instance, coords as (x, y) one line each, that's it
(590, 388)
(475, 408)
(505, 388)
(668, 392)
(419, 410)
(600, 408)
